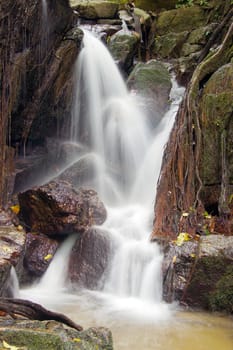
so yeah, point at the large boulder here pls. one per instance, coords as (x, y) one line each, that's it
(95, 9)
(51, 335)
(152, 81)
(57, 209)
(12, 245)
(200, 273)
(89, 259)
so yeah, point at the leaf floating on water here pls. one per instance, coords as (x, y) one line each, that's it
(15, 209)
(182, 238)
(48, 257)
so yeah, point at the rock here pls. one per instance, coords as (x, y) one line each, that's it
(89, 259)
(152, 80)
(95, 9)
(51, 335)
(200, 273)
(39, 252)
(79, 172)
(57, 209)
(180, 20)
(149, 5)
(12, 244)
(169, 45)
(123, 48)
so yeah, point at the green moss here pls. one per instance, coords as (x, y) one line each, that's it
(147, 76)
(169, 45)
(180, 20)
(222, 298)
(207, 274)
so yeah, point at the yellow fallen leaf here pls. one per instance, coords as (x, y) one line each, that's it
(48, 257)
(15, 208)
(6, 249)
(77, 340)
(11, 347)
(19, 228)
(185, 214)
(193, 255)
(174, 259)
(181, 238)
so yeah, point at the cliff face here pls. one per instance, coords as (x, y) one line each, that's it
(34, 77)
(196, 178)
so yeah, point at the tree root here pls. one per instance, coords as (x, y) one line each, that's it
(34, 311)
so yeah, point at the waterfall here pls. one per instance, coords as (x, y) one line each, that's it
(126, 154)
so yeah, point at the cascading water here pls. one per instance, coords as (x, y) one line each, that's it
(126, 154)
(109, 130)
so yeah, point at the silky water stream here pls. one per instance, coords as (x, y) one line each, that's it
(125, 146)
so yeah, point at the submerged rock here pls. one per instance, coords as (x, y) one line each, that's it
(52, 335)
(89, 259)
(57, 209)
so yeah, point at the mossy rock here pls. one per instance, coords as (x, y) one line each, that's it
(95, 9)
(222, 297)
(216, 110)
(169, 45)
(123, 48)
(152, 80)
(51, 335)
(211, 285)
(180, 20)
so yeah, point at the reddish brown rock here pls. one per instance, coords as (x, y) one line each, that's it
(89, 259)
(40, 250)
(57, 209)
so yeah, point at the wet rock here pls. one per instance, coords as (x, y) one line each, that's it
(77, 172)
(123, 48)
(57, 209)
(51, 335)
(12, 244)
(200, 273)
(95, 9)
(39, 252)
(152, 80)
(89, 259)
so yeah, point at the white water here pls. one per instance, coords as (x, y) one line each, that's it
(127, 155)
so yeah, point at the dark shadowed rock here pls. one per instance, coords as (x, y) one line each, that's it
(89, 259)
(57, 208)
(39, 252)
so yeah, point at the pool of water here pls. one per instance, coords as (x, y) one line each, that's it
(136, 325)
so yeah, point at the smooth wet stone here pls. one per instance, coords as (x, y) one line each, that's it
(57, 208)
